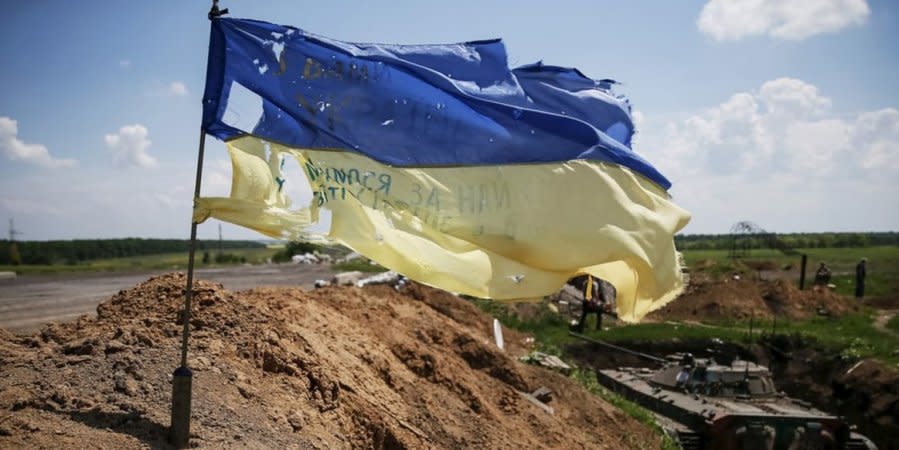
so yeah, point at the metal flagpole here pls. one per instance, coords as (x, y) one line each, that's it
(179, 432)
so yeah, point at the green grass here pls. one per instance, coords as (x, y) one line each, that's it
(550, 332)
(165, 261)
(550, 329)
(361, 264)
(852, 335)
(648, 332)
(587, 379)
(882, 272)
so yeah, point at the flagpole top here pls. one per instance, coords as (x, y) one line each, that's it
(215, 12)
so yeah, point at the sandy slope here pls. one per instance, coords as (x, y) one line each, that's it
(285, 368)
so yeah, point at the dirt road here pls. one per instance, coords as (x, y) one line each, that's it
(27, 302)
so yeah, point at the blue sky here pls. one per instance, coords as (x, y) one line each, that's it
(755, 110)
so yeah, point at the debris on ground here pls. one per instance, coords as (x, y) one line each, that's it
(347, 278)
(546, 360)
(389, 277)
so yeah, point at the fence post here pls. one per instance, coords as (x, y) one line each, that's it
(802, 272)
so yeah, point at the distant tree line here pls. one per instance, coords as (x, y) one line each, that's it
(75, 251)
(791, 240)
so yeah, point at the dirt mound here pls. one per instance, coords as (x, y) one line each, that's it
(741, 298)
(761, 265)
(871, 390)
(284, 368)
(866, 391)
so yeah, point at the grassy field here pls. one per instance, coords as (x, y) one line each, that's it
(165, 261)
(362, 265)
(854, 335)
(883, 265)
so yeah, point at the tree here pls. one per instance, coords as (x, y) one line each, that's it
(295, 248)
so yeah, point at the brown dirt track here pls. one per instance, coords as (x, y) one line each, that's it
(286, 368)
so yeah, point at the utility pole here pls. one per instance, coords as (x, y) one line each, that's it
(220, 238)
(15, 258)
(12, 231)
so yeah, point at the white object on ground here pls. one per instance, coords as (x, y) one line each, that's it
(351, 257)
(347, 278)
(307, 258)
(498, 334)
(535, 401)
(381, 278)
(854, 367)
(546, 360)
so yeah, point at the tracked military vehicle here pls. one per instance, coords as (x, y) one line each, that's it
(707, 405)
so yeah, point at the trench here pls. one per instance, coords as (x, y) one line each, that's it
(865, 393)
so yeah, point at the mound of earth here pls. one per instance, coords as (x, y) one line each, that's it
(285, 368)
(742, 298)
(865, 391)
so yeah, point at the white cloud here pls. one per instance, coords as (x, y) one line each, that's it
(177, 88)
(217, 179)
(782, 143)
(130, 145)
(781, 19)
(15, 149)
(792, 97)
(124, 63)
(880, 129)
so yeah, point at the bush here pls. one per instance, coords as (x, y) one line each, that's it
(361, 265)
(228, 258)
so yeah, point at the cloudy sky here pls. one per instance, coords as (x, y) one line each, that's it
(781, 112)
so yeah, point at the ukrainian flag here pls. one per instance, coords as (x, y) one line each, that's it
(443, 164)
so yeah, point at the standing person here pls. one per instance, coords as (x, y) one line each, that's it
(822, 275)
(683, 377)
(594, 300)
(860, 272)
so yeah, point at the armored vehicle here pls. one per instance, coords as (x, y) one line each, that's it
(707, 405)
